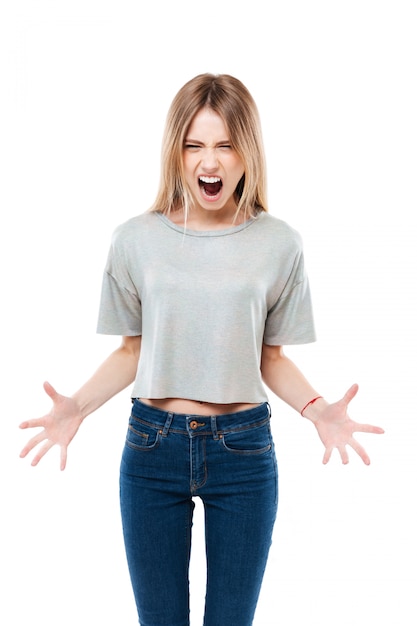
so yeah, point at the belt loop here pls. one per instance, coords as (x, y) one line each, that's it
(214, 427)
(167, 424)
(269, 408)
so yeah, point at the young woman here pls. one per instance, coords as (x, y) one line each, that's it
(205, 288)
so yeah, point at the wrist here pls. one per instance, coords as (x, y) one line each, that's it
(82, 406)
(314, 408)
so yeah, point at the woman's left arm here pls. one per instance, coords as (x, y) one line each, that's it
(333, 424)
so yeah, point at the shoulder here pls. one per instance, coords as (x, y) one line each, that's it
(277, 231)
(134, 229)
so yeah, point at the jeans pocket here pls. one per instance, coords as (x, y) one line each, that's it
(254, 440)
(142, 435)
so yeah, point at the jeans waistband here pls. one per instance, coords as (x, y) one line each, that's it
(201, 424)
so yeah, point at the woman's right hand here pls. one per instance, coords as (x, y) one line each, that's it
(59, 427)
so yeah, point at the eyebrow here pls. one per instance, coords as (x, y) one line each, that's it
(201, 143)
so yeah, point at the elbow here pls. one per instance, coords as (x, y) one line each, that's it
(271, 355)
(131, 347)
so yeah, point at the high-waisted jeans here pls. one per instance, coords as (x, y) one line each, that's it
(229, 462)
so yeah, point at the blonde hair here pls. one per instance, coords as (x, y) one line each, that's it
(230, 99)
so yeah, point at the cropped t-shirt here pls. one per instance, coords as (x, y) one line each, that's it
(204, 303)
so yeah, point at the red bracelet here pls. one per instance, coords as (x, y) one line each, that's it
(308, 404)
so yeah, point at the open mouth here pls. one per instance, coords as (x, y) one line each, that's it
(211, 185)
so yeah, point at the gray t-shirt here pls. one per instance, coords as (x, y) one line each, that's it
(204, 302)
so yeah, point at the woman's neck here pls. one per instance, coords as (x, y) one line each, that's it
(207, 220)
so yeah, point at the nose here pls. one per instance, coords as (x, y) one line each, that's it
(209, 160)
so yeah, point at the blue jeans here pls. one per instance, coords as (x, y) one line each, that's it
(229, 462)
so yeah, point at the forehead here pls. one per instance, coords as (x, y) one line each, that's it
(208, 123)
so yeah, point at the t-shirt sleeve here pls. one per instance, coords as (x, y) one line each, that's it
(120, 311)
(290, 319)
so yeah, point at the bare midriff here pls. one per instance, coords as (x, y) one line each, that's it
(193, 407)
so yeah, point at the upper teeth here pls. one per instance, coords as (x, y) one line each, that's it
(209, 179)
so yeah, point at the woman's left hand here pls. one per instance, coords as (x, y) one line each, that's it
(335, 429)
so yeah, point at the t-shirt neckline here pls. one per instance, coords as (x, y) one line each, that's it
(206, 233)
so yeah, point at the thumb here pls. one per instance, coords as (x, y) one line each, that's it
(350, 394)
(51, 391)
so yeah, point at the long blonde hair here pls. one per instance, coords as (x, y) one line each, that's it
(230, 99)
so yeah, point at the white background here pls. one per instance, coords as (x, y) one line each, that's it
(85, 86)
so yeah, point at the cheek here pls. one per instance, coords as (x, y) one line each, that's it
(236, 164)
(189, 165)
(239, 171)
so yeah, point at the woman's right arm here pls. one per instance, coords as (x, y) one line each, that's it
(67, 413)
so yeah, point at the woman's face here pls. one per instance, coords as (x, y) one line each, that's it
(212, 167)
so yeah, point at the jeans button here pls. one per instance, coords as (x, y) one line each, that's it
(193, 424)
